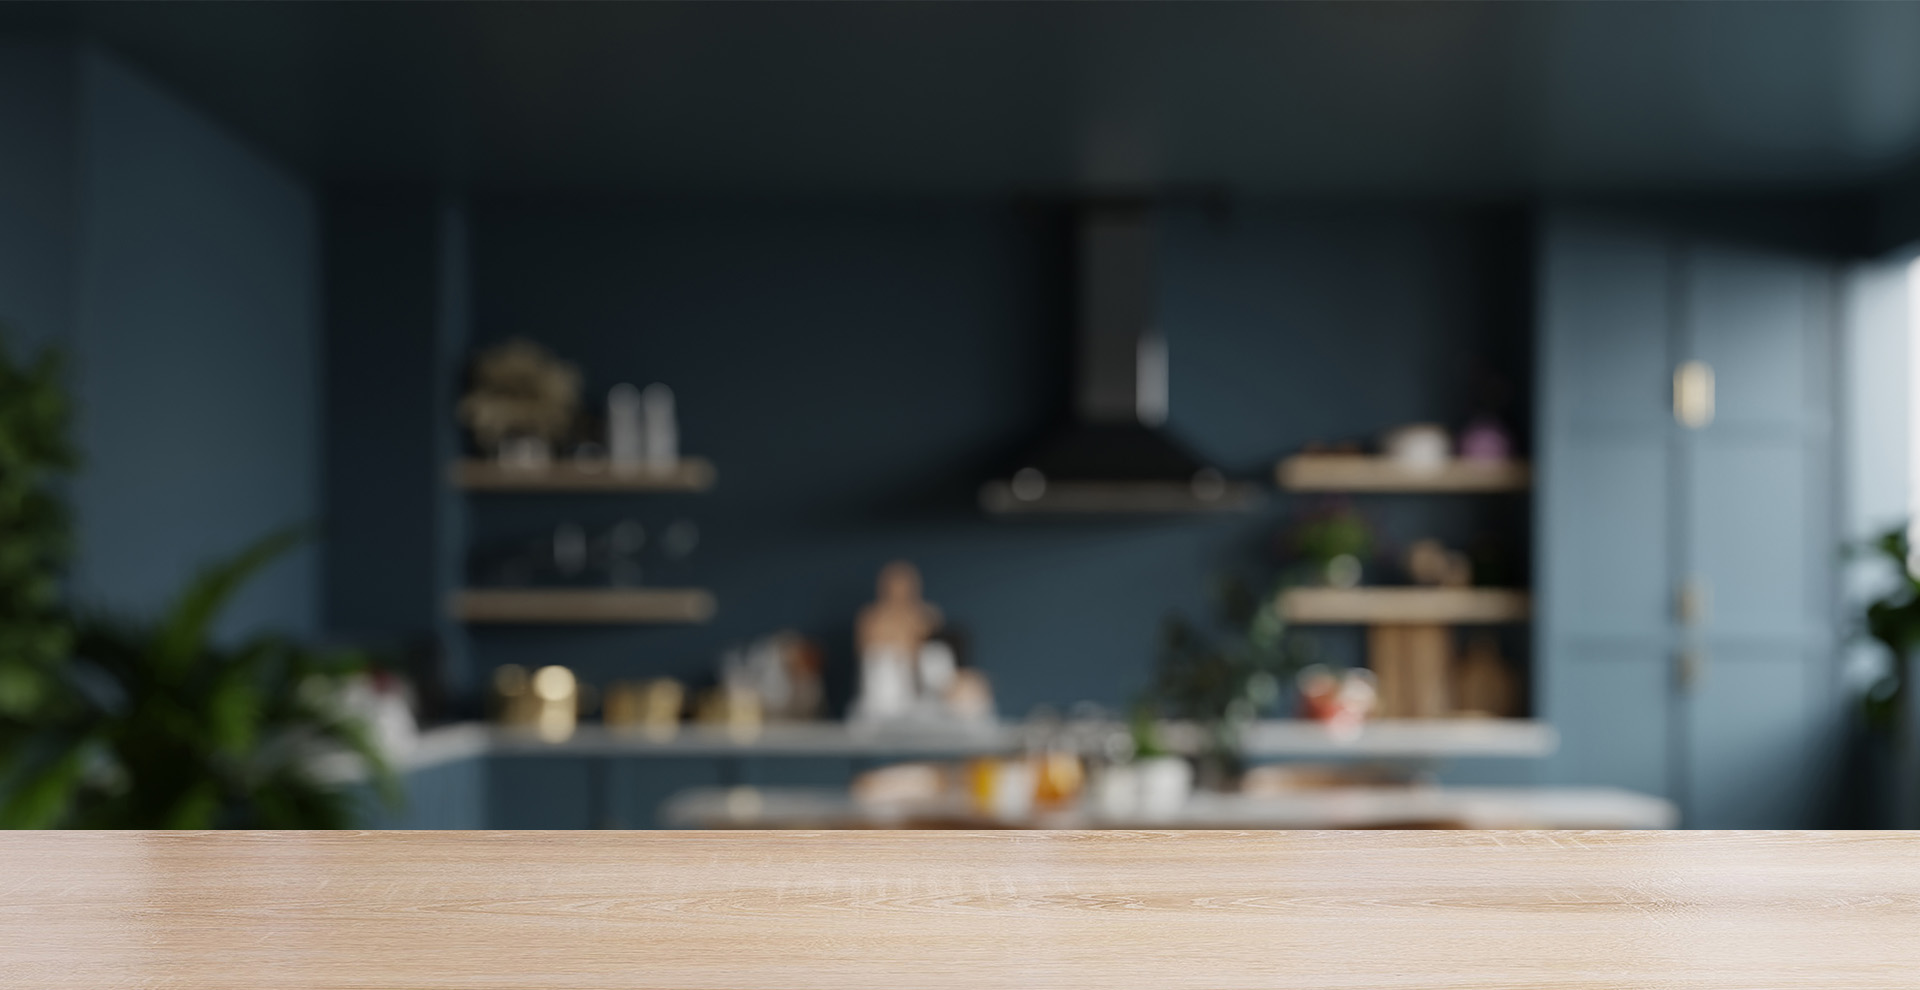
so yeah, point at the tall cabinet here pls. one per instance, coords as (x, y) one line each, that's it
(1687, 619)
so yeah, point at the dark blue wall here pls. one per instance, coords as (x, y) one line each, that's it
(178, 268)
(197, 352)
(398, 309)
(36, 192)
(856, 371)
(382, 477)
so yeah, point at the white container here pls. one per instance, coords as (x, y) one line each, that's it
(1420, 446)
(626, 443)
(662, 427)
(1011, 797)
(886, 685)
(1165, 784)
(1114, 792)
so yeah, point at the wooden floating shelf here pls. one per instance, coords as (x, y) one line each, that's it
(691, 474)
(1404, 606)
(1119, 498)
(1363, 473)
(584, 606)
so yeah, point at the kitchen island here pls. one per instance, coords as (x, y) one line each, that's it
(1416, 806)
(975, 910)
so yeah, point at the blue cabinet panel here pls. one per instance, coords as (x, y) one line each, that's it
(1760, 556)
(1605, 525)
(799, 772)
(1760, 540)
(1613, 709)
(1752, 317)
(1605, 314)
(547, 791)
(450, 795)
(541, 792)
(1660, 542)
(1607, 561)
(638, 787)
(1752, 740)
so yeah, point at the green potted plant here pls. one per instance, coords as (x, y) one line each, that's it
(1877, 771)
(36, 633)
(1893, 619)
(1332, 544)
(1221, 680)
(108, 722)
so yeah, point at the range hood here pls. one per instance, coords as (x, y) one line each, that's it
(1114, 455)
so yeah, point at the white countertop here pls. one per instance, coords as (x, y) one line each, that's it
(1337, 807)
(1385, 739)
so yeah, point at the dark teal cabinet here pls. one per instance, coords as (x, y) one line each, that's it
(1761, 538)
(637, 788)
(544, 791)
(450, 795)
(1687, 619)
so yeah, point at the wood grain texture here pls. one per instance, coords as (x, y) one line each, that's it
(690, 474)
(1359, 911)
(589, 606)
(1363, 473)
(1120, 498)
(1406, 605)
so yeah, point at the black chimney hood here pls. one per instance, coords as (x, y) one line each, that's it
(1115, 456)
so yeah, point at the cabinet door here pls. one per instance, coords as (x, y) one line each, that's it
(541, 791)
(1659, 542)
(1753, 756)
(1760, 548)
(1613, 716)
(1603, 621)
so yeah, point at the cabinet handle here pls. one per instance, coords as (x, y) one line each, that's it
(1693, 601)
(1691, 668)
(1693, 394)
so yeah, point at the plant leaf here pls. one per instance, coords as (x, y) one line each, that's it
(182, 638)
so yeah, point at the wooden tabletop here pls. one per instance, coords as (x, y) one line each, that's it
(1112, 910)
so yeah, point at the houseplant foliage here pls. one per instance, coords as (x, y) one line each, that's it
(1894, 620)
(35, 633)
(1330, 545)
(158, 725)
(1220, 678)
(109, 722)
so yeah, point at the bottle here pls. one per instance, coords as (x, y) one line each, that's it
(662, 443)
(626, 438)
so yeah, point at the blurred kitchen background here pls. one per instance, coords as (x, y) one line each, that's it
(957, 415)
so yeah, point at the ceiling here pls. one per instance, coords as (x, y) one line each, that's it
(986, 98)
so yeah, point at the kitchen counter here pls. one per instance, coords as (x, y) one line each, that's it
(974, 910)
(1418, 806)
(472, 775)
(1379, 739)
